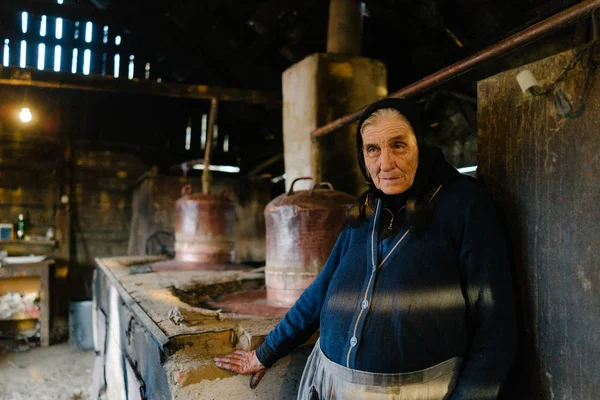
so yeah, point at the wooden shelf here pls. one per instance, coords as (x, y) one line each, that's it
(30, 242)
(18, 317)
(23, 270)
(27, 247)
(31, 270)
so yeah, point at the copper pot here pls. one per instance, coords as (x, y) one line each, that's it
(204, 228)
(302, 228)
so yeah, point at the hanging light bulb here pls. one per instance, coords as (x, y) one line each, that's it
(25, 115)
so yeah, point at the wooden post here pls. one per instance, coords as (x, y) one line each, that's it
(209, 135)
(44, 271)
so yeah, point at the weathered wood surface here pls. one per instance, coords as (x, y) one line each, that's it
(130, 302)
(153, 294)
(544, 170)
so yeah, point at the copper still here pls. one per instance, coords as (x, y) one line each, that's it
(204, 228)
(301, 228)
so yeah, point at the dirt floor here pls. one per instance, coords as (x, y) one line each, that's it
(58, 372)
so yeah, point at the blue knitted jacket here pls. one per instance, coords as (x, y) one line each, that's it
(418, 302)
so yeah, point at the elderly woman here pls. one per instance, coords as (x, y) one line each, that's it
(415, 300)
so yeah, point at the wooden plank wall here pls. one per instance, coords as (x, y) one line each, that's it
(101, 200)
(544, 170)
(56, 155)
(29, 180)
(102, 182)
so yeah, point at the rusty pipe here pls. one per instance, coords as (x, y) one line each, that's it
(557, 21)
(209, 136)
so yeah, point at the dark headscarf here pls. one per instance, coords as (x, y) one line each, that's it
(432, 171)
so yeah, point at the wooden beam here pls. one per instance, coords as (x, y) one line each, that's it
(12, 76)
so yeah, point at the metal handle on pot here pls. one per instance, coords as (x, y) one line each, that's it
(186, 190)
(291, 191)
(320, 185)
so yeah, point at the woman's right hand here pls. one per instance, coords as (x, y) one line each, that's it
(242, 362)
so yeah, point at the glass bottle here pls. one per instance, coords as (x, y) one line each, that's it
(21, 227)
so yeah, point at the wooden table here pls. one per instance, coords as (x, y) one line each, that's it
(40, 270)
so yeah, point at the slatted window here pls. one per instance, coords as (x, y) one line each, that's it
(6, 53)
(53, 43)
(57, 57)
(74, 60)
(23, 54)
(203, 130)
(43, 26)
(226, 144)
(41, 59)
(188, 134)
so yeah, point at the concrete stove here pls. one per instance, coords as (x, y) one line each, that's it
(155, 334)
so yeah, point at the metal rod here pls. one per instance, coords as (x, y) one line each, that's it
(530, 34)
(212, 119)
(265, 164)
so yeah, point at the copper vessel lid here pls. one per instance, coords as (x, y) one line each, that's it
(321, 196)
(188, 196)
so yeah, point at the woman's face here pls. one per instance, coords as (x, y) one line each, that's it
(391, 153)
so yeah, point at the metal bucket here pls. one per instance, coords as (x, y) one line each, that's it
(81, 332)
(204, 228)
(302, 228)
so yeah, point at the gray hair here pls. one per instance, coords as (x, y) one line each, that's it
(382, 113)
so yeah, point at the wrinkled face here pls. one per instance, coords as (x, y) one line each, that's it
(391, 153)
